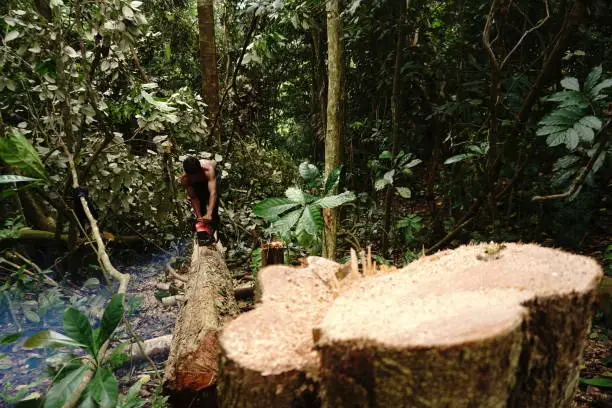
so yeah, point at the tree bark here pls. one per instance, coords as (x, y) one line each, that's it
(333, 135)
(479, 326)
(208, 62)
(192, 363)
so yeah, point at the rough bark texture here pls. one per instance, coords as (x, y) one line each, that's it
(480, 326)
(208, 58)
(333, 135)
(192, 363)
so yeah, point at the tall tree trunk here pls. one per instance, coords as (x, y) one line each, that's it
(395, 111)
(334, 115)
(208, 62)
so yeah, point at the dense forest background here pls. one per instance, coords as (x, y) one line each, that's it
(441, 123)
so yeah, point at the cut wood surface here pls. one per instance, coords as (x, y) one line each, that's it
(209, 299)
(478, 326)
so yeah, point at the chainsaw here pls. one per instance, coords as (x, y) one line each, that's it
(205, 233)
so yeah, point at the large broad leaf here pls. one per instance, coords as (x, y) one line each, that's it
(12, 178)
(570, 83)
(457, 158)
(287, 222)
(308, 223)
(333, 178)
(9, 338)
(389, 176)
(586, 133)
(413, 163)
(600, 87)
(597, 382)
(52, 339)
(271, 208)
(17, 152)
(335, 200)
(547, 130)
(308, 171)
(76, 326)
(571, 139)
(592, 78)
(110, 319)
(296, 195)
(591, 121)
(104, 388)
(386, 155)
(555, 139)
(404, 192)
(562, 117)
(63, 390)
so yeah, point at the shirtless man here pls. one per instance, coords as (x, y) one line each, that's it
(202, 184)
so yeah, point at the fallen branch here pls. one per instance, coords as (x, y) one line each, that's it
(156, 345)
(173, 300)
(172, 272)
(108, 267)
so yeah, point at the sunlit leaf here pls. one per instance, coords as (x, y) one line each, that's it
(333, 178)
(335, 200)
(308, 171)
(570, 83)
(60, 392)
(592, 78)
(271, 208)
(287, 222)
(51, 339)
(405, 192)
(11, 36)
(295, 194)
(591, 121)
(12, 178)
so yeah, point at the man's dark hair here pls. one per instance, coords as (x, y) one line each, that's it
(191, 165)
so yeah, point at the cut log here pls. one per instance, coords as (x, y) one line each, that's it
(479, 326)
(209, 298)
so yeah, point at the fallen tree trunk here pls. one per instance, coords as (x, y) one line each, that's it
(209, 299)
(480, 326)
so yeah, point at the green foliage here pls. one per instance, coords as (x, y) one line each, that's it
(11, 178)
(255, 261)
(601, 382)
(298, 214)
(573, 121)
(392, 168)
(410, 226)
(17, 152)
(103, 390)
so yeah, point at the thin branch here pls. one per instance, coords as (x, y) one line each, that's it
(525, 34)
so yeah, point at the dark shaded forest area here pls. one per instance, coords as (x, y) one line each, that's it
(403, 126)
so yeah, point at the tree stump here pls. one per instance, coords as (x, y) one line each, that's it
(209, 298)
(479, 326)
(273, 253)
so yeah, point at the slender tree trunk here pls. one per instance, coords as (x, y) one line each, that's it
(334, 115)
(395, 112)
(208, 62)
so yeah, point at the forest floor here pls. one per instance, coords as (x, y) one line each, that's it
(22, 371)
